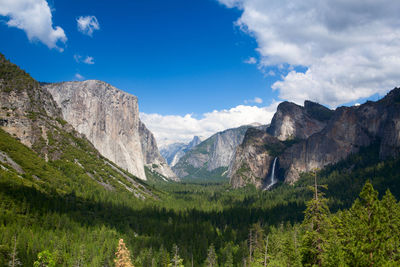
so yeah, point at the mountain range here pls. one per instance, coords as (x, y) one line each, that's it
(173, 152)
(211, 158)
(299, 138)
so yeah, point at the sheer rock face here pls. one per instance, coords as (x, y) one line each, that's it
(294, 121)
(322, 137)
(349, 129)
(211, 154)
(253, 158)
(151, 155)
(109, 118)
(251, 163)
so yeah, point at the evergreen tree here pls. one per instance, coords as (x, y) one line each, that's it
(211, 260)
(176, 260)
(366, 230)
(123, 257)
(256, 245)
(164, 258)
(317, 226)
(391, 210)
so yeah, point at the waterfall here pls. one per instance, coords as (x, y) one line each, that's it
(273, 181)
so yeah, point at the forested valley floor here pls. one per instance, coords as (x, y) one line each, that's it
(65, 219)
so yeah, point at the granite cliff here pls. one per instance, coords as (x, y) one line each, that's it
(212, 157)
(152, 157)
(109, 118)
(63, 157)
(313, 136)
(349, 129)
(253, 159)
(292, 121)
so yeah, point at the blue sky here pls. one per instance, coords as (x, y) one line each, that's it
(177, 56)
(201, 66)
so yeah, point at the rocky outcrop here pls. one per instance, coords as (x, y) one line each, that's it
(27, 111)
(152, 158)
(314, 136)
(253, 159)
(109, 118)
(212, 157)
(173, 152)
(293, 121)
(349, 129)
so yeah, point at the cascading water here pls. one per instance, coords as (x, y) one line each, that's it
(273, 181)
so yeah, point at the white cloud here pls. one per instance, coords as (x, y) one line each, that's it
(35, 18)
(250, 60)
(174, 128)
(256, 100)
(87, 24)
(350, 49)
(88, 60)
(79, 77)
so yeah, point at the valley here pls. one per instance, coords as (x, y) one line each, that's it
(80, 170)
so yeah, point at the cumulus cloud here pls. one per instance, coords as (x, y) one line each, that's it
(173, 128)
(250, 60)
(35, 18)
(330, 51)
(79, 77)
(87, 24)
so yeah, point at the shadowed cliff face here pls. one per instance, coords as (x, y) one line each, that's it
(109, 118)
(251, 162)
(315, 136)
(349, 129)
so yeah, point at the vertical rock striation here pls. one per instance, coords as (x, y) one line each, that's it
(314, 136)
(109, 118)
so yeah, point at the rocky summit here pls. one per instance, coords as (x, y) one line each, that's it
(109, 118)
(311, 137)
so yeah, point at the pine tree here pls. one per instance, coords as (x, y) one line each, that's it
(123, 258)
(364, 230)
(211, 260)
(391, 210)
(176, 260)
(317, 226)
(257, 252)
